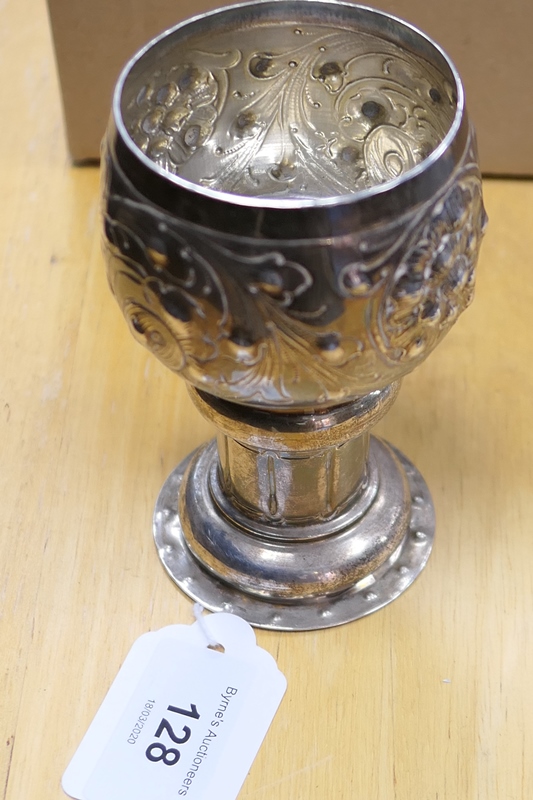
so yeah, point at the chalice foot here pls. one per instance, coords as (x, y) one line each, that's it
(292, 536)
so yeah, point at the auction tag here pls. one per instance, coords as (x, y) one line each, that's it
(180, 719)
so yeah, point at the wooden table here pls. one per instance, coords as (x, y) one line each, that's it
(429, 699)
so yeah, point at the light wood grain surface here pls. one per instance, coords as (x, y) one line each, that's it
(429, 699)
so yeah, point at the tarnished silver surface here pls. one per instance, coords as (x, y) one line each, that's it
(321, 609)
(293, 215)
(297, 323)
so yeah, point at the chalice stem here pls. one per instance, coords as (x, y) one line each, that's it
(293, 469)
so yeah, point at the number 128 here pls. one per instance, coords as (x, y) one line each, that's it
(170, 755)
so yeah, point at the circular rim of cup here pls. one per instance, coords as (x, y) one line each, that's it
(276, 202)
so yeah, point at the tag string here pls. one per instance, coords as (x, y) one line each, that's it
(212, 644)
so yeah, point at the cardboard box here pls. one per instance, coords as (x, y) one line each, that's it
(490, 43)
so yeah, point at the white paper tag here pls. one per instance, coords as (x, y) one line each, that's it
(180, 719)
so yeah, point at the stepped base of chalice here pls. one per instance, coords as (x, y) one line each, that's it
(295, 521)
(293, 213)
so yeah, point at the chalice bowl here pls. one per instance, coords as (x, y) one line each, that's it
(293, 213)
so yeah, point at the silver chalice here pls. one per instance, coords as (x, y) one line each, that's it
(293, 213)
